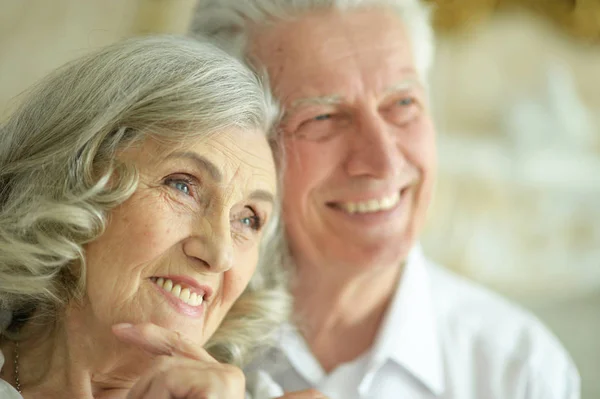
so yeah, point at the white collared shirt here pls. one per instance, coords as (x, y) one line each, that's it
(442, 337)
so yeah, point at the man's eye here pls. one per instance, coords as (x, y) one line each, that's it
(407, 101)
(322, 117)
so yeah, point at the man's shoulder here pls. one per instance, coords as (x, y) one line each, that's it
(471, 306)
(494, 329)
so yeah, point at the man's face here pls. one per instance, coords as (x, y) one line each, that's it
(357, 137)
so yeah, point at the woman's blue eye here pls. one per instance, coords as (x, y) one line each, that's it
(183, 187)
(252, 222)
(180, 185)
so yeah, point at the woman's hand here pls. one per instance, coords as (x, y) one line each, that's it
(182, 369)
(306, 394)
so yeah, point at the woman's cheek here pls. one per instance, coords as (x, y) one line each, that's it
(236, 279)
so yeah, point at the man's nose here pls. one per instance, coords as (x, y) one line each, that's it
(211, 244)
(374, 151)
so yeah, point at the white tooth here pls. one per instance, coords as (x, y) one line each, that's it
(160, 281)
(185, 295)
(386, 203)
(362, 207)
(200, 300)
(391, 201)
(193, 299)
(373, 205)
(176, 290)
(168, 285)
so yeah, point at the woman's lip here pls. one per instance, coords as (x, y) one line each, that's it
(180, 306)
(189, 282)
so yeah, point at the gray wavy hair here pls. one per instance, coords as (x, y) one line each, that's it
(59, 175)
(230, 21)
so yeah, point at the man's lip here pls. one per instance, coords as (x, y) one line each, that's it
(191, 283)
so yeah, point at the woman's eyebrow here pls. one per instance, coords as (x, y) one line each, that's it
(201, 162)
(262, 195)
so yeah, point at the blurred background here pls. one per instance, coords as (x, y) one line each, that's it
(516, 96)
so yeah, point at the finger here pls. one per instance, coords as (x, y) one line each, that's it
(141, 387)
(197, 384)
(159, 341)
(185, 379)
(305, 394)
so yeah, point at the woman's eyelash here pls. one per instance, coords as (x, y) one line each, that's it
(184, 184)
(256, 221)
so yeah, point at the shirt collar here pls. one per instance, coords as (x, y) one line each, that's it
(408, 335)
(299, 355)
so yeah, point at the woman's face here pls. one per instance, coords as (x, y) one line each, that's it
(181, 250)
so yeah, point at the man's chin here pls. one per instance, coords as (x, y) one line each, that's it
(371, 253)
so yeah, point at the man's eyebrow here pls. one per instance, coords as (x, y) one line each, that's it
(336, 99)
(262, 195)
(333, 99)
(404, 85)
(201, 162)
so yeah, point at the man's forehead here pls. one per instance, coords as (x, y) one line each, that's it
(329, 62)
(328, 35)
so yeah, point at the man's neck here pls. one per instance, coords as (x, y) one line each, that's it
(340, 316)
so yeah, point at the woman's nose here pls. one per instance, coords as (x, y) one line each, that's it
(212, 245)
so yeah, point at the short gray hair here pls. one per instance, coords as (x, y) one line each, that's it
(228, 21)
(59, 174)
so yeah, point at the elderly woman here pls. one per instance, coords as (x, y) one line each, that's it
(136, 185)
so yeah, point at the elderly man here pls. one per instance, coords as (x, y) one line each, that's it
(356, 146)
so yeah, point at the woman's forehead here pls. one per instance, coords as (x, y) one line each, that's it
(240, 156)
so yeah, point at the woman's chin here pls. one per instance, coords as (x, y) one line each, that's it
(193, 328)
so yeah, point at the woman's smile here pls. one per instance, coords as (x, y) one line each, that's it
(184, 294)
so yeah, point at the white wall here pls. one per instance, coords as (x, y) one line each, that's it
(518, 200)
(36, 36)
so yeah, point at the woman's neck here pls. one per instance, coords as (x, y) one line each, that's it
(76, 360)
